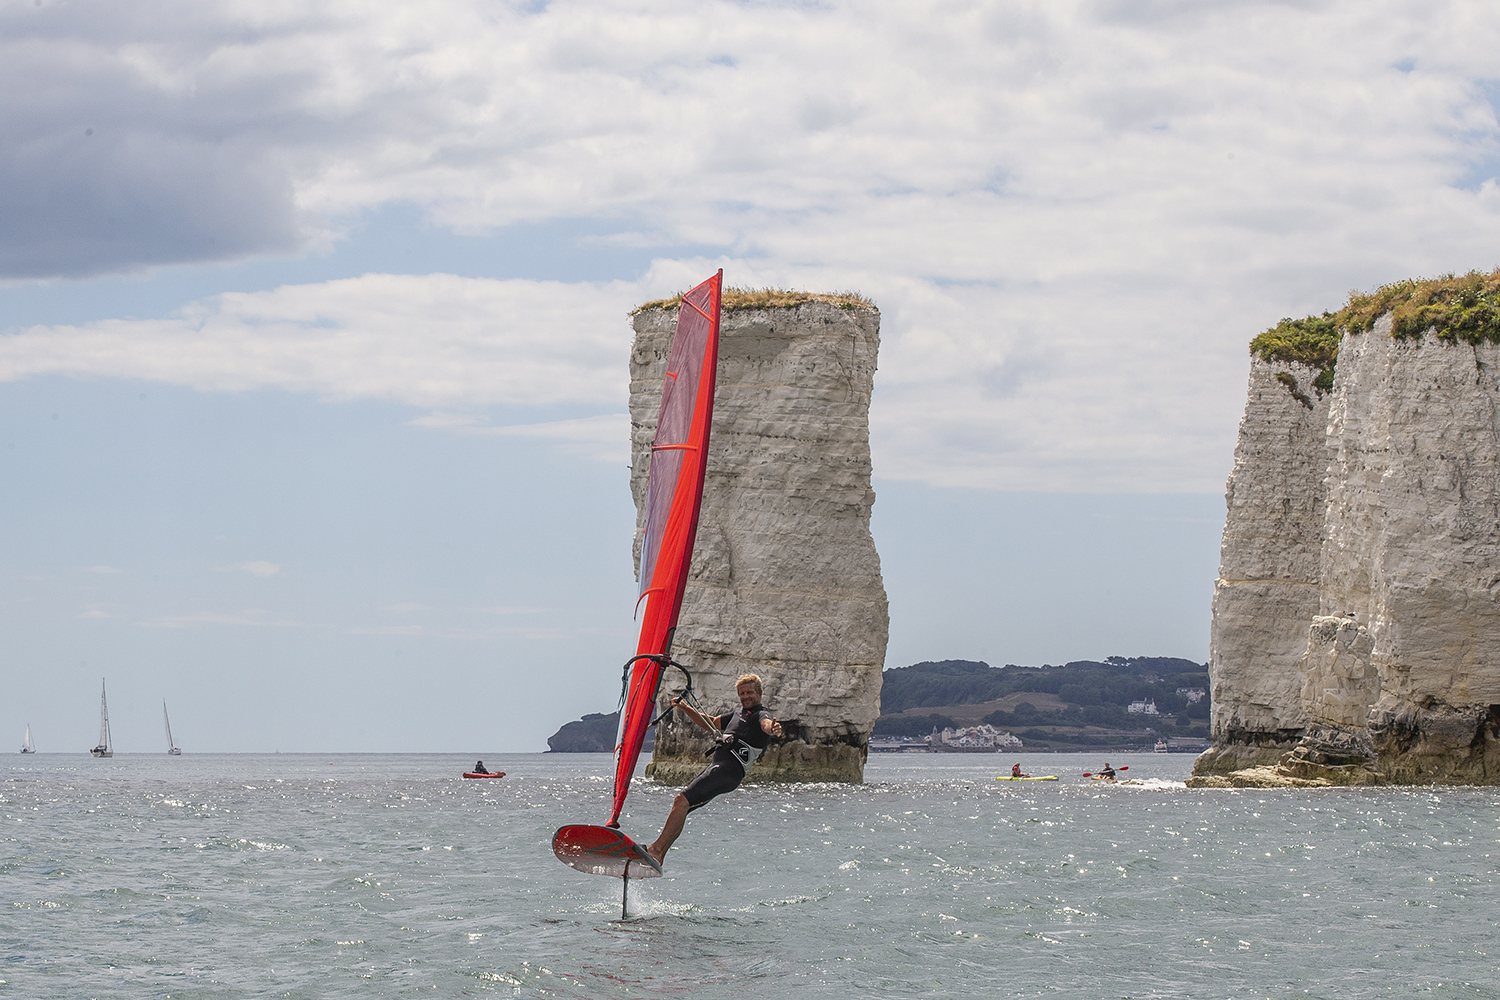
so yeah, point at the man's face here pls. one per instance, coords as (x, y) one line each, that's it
(749, 697)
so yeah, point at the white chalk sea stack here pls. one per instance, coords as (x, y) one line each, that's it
(785, 581)
(1356, 628)
(1267, 591)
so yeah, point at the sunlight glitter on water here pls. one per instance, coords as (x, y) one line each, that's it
(278, 875)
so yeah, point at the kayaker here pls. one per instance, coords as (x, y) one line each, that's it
(479, 768)
(1107, 772)
(741, 736)
(1015, 771)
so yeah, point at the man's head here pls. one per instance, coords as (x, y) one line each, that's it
(749, 690)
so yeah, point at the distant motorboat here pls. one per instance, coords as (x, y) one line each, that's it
(172, 748)
(104, 749)
(26, 746)
(1161, 746)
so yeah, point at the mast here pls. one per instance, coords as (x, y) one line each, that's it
(103, 718)
(674, 495)
(168, 723)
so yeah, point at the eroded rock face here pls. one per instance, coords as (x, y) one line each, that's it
(1339, 685)
(1267, 589)
(1412, 546)
(1399, 674)
(785, 580)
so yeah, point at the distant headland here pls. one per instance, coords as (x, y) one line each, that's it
(1115, 703)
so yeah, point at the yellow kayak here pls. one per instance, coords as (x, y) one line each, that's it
(1029, 777)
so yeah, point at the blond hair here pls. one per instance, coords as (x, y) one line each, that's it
(749, 679)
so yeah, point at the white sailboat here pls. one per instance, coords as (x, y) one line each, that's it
(172, 748)
(26, 746)
(103, 749)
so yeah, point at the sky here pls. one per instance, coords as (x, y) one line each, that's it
(314, 320)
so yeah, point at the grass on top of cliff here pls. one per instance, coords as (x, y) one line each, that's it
(1456, 307)
(767, 298)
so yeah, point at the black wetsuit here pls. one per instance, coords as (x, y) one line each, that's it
(742, 734)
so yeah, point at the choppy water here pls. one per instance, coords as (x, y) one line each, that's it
(371, 876)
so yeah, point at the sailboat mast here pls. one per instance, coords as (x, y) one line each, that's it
(103, 717)
(168, 723)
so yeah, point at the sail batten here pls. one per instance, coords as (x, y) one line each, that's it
(674, 496)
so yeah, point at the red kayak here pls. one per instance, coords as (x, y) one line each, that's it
(489, 774)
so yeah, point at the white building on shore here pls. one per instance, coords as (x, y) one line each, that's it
(973, 739)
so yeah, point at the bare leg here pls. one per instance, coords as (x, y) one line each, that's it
(671, 830)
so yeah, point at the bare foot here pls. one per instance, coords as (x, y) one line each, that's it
(657, 856)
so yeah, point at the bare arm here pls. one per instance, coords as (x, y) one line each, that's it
(712, 723)
(770, 726)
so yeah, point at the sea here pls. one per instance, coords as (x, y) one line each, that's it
(286, 875)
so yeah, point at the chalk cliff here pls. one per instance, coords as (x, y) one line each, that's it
(1356, 631)
(785, 580)
(1267, 589)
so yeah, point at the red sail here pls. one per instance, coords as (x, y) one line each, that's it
(674, 492)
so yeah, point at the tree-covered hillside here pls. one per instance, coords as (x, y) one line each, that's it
(1075, 704)
(1090, 693)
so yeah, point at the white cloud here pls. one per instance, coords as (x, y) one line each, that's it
(605, 438)
(258, 567)
(251, 616)
(1073, 215)
(428, 340)
(534, 634)
(1030, 140)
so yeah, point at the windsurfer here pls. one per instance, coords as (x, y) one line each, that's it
(742, 735)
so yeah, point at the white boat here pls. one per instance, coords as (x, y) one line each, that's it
(1161, 746)
(103, 749)
(26, 746)
(172, 748)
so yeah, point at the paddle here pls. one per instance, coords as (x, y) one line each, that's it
(1090, 774)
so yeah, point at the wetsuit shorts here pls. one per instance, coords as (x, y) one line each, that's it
(719, 777)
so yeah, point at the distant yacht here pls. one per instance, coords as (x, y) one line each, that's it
(103, 749)
(171, 747)
(26, 746)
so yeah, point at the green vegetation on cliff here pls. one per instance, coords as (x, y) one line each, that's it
(768, 298)
(1456, 307)
(1313, 342)
(1465, 307)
